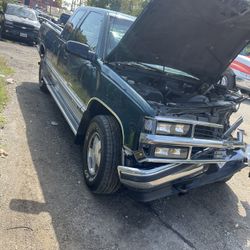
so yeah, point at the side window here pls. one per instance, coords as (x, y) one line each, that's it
(89, 30)
(72, 24)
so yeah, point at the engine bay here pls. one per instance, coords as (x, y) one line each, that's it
(181, 96)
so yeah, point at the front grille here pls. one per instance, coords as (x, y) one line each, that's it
(23, 27)
(202, 154)
(204, 132)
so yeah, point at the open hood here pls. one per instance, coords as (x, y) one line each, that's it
(199, 37)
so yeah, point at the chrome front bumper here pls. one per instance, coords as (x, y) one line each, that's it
(144, 179)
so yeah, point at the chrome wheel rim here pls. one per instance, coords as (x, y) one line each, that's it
(94, 154)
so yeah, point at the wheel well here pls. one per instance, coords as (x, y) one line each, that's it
(95, 108)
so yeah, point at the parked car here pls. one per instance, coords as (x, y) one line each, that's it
(241, 69)
(19, 22)
(146, 106)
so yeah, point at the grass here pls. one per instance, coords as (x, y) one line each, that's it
(6, 71)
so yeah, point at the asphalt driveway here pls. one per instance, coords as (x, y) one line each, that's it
(44, 203)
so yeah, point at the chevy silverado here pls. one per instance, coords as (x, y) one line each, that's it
(143, 96)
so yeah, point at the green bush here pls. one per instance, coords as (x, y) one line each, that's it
(3, 3)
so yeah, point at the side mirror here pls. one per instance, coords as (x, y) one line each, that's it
(81, 50)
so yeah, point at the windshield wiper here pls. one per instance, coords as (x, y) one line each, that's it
(151, 68)
(136, 65)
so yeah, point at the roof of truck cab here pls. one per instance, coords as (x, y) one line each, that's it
(107, 11)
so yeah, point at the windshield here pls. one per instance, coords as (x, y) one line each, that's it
(118, 27)
(21, 11)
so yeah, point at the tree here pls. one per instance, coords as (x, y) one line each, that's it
(98, 3)
(3, 3)
(115, 5)
(132, 7)
(58, 3)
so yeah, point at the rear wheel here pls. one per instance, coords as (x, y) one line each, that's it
(102, 155)
(42, 84)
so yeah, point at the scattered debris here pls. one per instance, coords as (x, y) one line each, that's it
(3, 153)
(20, 227)
(54, 123)
(10, 81)
(237, 225)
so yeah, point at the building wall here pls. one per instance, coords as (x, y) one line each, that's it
(41, 4)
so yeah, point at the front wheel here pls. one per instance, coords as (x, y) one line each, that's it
(102, 155)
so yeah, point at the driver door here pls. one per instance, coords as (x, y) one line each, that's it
(81, 73)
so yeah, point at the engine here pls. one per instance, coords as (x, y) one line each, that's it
(185, 98)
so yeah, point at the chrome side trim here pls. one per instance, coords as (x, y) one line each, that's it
(186, 121)
(111, 111)
(60, 107)
(80, 105)
(190, 171)
(189, 142)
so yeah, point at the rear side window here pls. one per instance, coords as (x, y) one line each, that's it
(89, 30)
(72, 23)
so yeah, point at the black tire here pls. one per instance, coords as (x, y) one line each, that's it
(1, 33)
(106, 179)
(42, 85)
(228, 79)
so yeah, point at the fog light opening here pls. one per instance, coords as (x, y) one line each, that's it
(172, 153)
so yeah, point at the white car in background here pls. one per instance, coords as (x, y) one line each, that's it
(241, 69)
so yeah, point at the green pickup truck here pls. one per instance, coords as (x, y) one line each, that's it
(143, 96)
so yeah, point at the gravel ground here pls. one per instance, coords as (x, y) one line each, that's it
(44, 203)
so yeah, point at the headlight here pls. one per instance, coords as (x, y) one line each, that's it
(8, 22)
(164, 128)
(172, 153)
